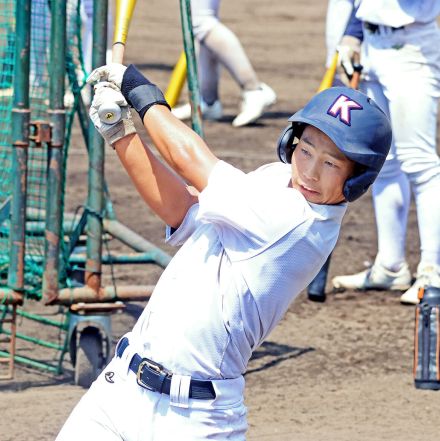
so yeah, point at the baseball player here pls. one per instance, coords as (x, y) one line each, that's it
(249, 244)
(338, 14)
(402, 74)
(218, 45)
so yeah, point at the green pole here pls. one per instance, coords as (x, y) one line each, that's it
(55, 172)
(35, 340)
(193, 82)
(34, 363)
(36, 317)
(95, 199)
(20, 142)
(83, 119)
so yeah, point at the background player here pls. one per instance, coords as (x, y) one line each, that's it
(402, 74)
(338, 14)
(218, 45)
(251, 243)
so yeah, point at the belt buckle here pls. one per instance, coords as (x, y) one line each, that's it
(156, 367)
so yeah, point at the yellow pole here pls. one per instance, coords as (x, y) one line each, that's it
(329, 76)
(177, 81)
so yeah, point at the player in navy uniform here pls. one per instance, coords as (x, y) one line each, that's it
(250, 243)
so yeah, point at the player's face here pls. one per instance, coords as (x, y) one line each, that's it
(319, 168)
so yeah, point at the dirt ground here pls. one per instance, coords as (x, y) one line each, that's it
(341, 370)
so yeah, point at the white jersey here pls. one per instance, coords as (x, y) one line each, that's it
(250, 246)
(397, 13)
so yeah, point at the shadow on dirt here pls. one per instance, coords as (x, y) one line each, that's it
(39, 379)
(269, 354)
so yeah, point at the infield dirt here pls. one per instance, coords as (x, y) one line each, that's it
(337, 371)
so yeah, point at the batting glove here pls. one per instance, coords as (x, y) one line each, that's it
(106, 93)
(349, 50)
(112, 73)
(140, 92)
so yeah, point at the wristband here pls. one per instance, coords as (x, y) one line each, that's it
(140, 92)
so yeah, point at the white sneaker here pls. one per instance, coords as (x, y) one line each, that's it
(376, 277)
(254, 104)
(427, 274)
(212, 112)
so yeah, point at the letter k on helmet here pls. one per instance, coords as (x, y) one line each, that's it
(342, 107)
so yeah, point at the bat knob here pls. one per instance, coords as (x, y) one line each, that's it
(109, 113)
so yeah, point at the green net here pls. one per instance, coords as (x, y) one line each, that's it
(7, 41)
(39, 79)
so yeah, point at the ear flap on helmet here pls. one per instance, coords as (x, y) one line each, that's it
(356, 186)
(285, 145)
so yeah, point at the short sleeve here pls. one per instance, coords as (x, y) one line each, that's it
(178, 236)
(250, 211)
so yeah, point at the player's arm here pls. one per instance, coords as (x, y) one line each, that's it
(165, 192)
(182, 148)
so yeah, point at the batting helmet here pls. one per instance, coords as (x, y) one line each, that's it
(355, 123)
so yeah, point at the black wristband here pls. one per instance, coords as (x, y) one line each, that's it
(140, 92)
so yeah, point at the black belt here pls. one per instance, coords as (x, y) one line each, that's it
(373, 28)
(153, 376)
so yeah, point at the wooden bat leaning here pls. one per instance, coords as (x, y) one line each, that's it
(110, 113)
(329, 76)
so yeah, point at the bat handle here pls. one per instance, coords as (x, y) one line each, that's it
(118, 52)
(110, 113)
(357, 67)
(356, 77)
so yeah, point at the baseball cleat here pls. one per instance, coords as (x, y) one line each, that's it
(254, 104)
(212, 112)
(427, 274)
(376, 277)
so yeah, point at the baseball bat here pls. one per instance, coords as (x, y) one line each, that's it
(329, 76)
(177, 81)
(110, 113)
(357, 67)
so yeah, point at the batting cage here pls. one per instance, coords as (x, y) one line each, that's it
(49, 255)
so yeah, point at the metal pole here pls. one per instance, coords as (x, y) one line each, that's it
(20, 142)
(193, 82)
(96, 160)
(136, 242)
(85, 294)
(55, 176)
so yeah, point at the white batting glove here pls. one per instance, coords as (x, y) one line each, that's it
(112, 73)
(349, 50)
(106, 93)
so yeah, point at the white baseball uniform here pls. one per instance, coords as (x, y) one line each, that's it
(401, 60)
(338, 13)
(218, 46)
(249, 247)
(87, 32)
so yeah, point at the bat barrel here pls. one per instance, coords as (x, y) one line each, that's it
(124, 13)
(109, 113)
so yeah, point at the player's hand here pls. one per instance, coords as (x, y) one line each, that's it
(113, 73)
(349, 50)
(107, 93)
